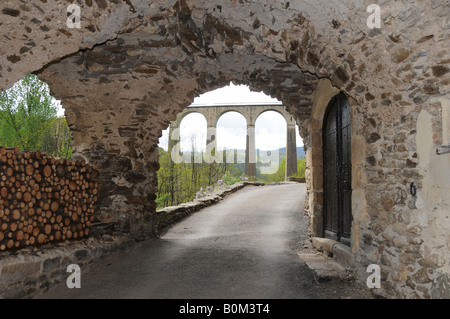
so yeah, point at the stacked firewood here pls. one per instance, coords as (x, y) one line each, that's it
(44, 199)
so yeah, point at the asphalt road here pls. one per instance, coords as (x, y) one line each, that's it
(243, 247)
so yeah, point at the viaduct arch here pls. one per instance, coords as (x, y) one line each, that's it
(212, 115)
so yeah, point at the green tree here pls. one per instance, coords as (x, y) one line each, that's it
(279, 175)
(57, 138)
(166, 180)
(301, 166)
(26, 111)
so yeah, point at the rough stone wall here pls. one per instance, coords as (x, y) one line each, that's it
(391, 227)
(134, 65)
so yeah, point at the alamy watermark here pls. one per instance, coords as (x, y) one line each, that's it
(374, 279)
(74, 280)
(374, 20)
(74, 16)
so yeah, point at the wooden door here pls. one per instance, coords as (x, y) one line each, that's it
(337, 170)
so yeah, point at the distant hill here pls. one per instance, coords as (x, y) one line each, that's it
(300, 151)
(282, 152)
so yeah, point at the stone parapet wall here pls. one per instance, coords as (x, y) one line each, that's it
(44, 199)
(297, 179)
(35, 270)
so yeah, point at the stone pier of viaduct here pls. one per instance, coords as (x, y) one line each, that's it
(134, 65)
(251, 113)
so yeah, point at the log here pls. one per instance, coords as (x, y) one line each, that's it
(16, 214)
(41, 238)
(19, 235)
(72, 186)
(29, 169)
(54, 207)
(48, 229)
(27, 197)
(9, 172)
(47, 171)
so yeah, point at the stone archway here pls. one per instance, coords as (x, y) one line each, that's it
(291, 140)
(197, 142)
(133, 66)
(315, 171)
(230, 142)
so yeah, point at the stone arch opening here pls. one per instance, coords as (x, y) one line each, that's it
(282, 114)
(337, 168)
(232, 126)
(250, 111)
(175, 94)
(316, 154)
(193, 132)
(229, 111)
(187, 143)
(33, 120)
(271, 137)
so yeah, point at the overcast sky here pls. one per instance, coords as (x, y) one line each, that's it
(231, 127)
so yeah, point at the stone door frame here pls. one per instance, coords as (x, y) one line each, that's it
(314, 162)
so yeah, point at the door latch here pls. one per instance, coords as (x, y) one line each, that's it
(413, 189)
(443, 149)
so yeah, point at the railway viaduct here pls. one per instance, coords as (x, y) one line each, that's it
(212, 115)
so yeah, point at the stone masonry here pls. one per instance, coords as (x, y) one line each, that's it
(134, 65)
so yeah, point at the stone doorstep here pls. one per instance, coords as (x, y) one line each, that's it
(341, 253)
(323, 268)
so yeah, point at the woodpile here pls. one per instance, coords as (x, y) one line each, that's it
(44, 199)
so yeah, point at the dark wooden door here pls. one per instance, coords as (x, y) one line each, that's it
(337, 170)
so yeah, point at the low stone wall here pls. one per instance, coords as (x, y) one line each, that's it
(34, 270)
(297, 179)
(44, 199)
(172, 214)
